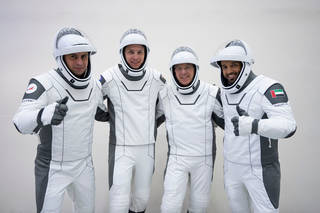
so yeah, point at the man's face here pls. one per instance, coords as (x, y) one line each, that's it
(77, 62)
(134, 55)
(231, 70)
(184, 73)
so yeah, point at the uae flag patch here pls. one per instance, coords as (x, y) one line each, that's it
(277, 93)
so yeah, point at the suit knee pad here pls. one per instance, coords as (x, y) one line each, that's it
(198, 204)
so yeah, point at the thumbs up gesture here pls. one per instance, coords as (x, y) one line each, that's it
(54, 113)
(60, 111)
(244, 124)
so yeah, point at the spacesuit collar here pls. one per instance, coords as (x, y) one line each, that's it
(247, 82)
(128, 74)
(72, 85)
(189, 90)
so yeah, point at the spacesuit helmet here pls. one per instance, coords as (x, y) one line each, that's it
(235, 50)
(69, 40)
(130, 37)
(184, 55)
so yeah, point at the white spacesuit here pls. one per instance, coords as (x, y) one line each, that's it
(189, 111)
(257, 113)
(131, 98)
(60, 107)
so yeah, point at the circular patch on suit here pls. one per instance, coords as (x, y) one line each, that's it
(31, 88)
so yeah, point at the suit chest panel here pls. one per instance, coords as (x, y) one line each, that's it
(194, 110)
(82, 103)
(249, 100)
(133, 96)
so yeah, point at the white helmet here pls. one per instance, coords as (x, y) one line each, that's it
(133, 36)
(70, 40)
(235, 50)
(184, 55)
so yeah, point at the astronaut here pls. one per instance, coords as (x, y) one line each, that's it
(257, 113)
(189, 107)
(60, 106)
(131, 89)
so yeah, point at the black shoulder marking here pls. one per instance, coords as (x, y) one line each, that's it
(34, 90)
(276, 94)
(102, 80)
(162, 79)
(218, 96)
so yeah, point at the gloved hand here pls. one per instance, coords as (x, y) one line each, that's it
(54, 113)
(244, 125)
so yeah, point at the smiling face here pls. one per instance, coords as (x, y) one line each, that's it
(77, 62)
(134, 55)
(231, 70)
(184, 73)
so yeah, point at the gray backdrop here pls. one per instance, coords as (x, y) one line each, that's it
(282, 33)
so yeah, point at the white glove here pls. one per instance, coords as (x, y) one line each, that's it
(244, 125)
(54, 113)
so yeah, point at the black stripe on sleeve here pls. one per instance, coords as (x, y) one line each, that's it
(276, 94)
(218, 96)
(34, 90)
